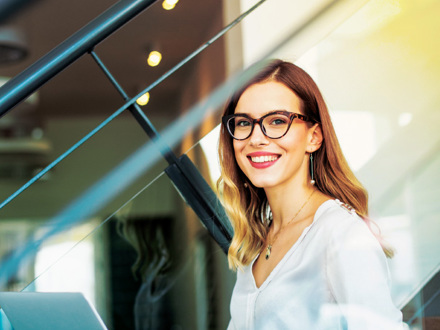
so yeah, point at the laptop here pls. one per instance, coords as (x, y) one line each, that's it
(49, 311)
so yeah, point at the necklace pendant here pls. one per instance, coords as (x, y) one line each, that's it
(269, 248)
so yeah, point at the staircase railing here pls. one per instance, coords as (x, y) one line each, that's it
(84, 41)
(193, 188)
(201, 198)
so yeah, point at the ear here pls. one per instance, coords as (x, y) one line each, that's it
(315, 138)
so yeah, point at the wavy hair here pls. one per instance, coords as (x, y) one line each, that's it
(248, 208)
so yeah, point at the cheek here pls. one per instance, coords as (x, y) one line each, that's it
(296, 141)
(238, 147)
(290, 145)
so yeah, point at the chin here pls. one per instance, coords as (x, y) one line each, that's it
(263, 183)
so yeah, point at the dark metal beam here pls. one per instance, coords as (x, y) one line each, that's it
(199, 196)
(28, 81)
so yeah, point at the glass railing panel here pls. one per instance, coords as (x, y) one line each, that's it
(81, 246)
(410, 221)
(141, 269)
(29, 216)
(97, 255)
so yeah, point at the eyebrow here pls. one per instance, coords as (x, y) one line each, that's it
(247, 114)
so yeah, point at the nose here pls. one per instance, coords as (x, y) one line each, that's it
(257, 137)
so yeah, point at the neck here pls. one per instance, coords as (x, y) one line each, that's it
(286, 201)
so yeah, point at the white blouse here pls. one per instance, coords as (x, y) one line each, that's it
(334, 277)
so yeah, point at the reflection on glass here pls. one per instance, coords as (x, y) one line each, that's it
(209, 145)
(156, 267)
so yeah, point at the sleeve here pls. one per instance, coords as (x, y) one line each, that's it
(358, 278)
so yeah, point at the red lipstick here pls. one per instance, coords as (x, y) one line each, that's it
(262, 159)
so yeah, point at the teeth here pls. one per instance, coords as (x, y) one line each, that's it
(264, 159)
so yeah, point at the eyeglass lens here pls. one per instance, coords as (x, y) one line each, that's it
(273, 125)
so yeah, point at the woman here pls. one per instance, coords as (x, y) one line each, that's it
(306, 256)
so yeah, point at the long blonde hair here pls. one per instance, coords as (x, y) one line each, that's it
(248, 208)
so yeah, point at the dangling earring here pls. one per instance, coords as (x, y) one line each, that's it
(312, 181)
(245, 185)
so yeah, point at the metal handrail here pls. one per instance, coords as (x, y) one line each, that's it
(32, 78)
(181, 171)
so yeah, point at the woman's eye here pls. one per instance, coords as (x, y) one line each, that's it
(278, 121)
(242, 123)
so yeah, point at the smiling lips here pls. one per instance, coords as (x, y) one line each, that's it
(262, 160)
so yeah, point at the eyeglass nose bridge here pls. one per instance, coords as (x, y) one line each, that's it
(258, 121)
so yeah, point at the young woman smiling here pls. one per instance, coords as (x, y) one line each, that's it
(302, 242)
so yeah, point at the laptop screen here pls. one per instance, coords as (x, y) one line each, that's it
(49, 311)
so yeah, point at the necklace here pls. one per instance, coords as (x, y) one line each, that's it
(270, 244)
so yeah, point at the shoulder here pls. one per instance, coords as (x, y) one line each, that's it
(337, 215)
(352, 251)
(343, 227)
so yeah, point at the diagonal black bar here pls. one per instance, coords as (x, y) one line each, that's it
(138, 114)
(199, 196)
(67, 52)
(193, 188)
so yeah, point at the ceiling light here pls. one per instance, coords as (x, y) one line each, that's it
(143, 100)
(169, 4)
(154, 58)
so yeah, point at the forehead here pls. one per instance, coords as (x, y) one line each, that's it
(261, 98)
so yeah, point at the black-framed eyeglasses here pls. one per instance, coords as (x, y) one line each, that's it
(274, 125)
